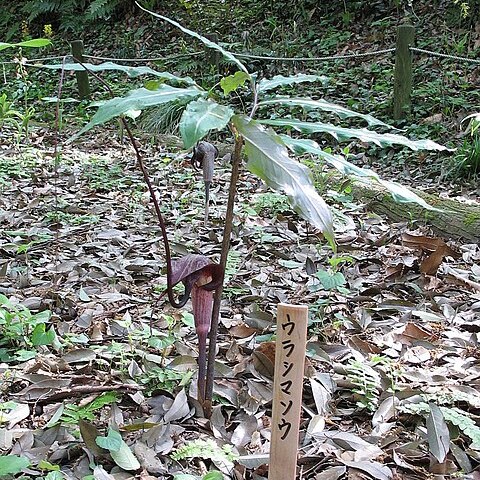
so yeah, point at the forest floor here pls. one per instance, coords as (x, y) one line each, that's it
(81, 241)
(88, 343)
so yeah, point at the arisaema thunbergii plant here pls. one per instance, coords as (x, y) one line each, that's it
(270, 156)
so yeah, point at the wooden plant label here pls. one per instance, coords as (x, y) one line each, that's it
(287, 390)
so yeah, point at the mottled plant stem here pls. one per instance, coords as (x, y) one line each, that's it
(156, 205)
(227, 231)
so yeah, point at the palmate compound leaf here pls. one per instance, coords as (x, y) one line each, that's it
(130, 71)
(399, 192)
(268, 158)
(203, 39)
(310, 104)
(200, 117)
(279, 80)
(363, 134)
(138, 100)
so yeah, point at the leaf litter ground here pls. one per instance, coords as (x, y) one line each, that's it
(393, 324)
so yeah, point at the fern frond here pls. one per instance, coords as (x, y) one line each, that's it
(102, 8)
(162, 119)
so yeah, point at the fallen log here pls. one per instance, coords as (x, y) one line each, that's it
(457, 220)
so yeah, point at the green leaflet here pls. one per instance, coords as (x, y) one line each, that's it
(12, 464)
(279, 80)
(311, 104)
(330, 280)
(130, 71)
(232, 82)
(268, 158)
(363, 134)
(138, 100)
(399, 192)
(200, 117)
(41, 336)
(203, 39)
(113, 441)
(35, 43)
(119, 450)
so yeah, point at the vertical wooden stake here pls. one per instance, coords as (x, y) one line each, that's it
(82, 76)
(287, 390)
(402, 87)
(212, 56)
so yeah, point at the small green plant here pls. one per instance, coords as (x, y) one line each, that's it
(12, 464)
(270, 204)
(164, 378)
(329, 280)
(16, 168)
(8, 114)
(206, 449)
(23, 331)
(70, 218)
(103, 176)
(466, 161)
(464, 7)
(119, 450)
(213, 475)
(367, 384)
(73, 413)
(391, 371)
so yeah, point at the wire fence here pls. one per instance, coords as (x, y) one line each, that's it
(348, 56)
(140, 60)
(445, 55)
(403, 72)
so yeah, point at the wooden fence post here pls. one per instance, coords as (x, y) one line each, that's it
(82, 76)
(212, 56)
(402, 87)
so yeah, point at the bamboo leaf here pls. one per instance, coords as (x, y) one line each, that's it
(268, 158)
(437, 432)
(311, 104)
(35, 43)
(138, 100)
(363, 134)
(200, 117)
(203, 39)
(279, 81)
(130, 71)
(399, 192)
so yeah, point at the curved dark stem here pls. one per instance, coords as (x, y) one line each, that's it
(168, 256)
(202, 362)
(227, 231)
(56, 157)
